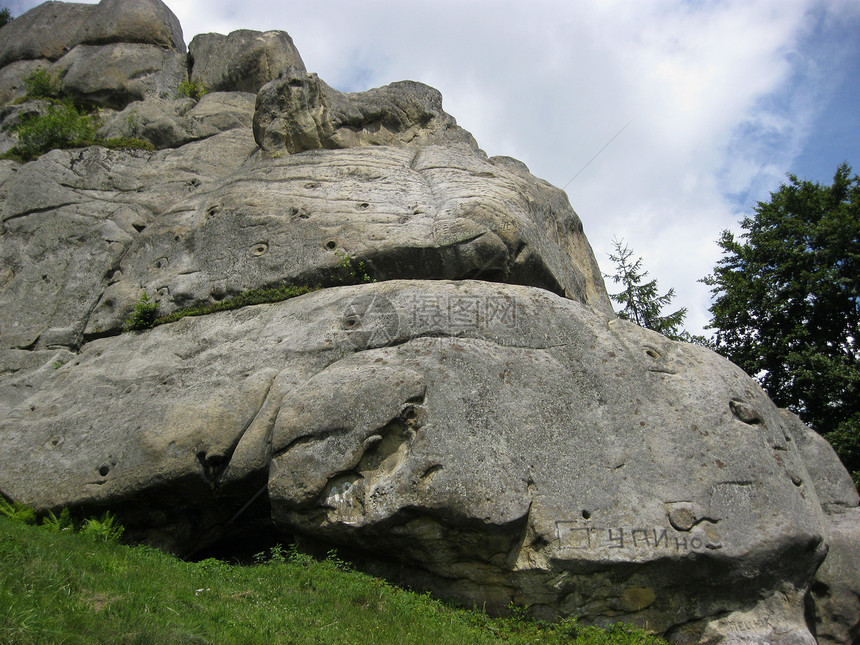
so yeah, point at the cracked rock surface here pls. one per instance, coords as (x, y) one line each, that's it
(456, 405)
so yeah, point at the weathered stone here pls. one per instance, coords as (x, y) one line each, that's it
(489, 441)
(53, 29)
(172, 123)
(101, 199)
(148, 22)
(243, 61)
(492, 442)
(438, 212)
(835, 590)
(299, 112)
(12, 78)
(115, 75)
(48, 31)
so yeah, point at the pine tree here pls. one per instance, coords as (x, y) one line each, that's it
(640, 300)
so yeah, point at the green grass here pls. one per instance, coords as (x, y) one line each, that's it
(60, 587)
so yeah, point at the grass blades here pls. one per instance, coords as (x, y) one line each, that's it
(59, 587)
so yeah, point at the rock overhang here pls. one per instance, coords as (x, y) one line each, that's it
(477, 411)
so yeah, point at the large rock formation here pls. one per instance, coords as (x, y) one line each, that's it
(469, 418)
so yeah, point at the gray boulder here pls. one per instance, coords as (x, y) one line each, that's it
(115, 75)
(173, 123)
(476, 422)
(53, 29)
(835, 590)
(148, 22)
(242, 61)
(299, 112)
(490, 442)
(48, 31)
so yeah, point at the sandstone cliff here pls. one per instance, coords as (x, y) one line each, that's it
(454, 402)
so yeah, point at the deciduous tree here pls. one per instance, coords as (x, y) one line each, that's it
(786, 304)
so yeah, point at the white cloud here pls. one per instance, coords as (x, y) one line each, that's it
(719, 95)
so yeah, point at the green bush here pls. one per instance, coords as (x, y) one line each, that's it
(5, 16)
(192, 89)
(62, 126)
(144, 314)
(41, 84)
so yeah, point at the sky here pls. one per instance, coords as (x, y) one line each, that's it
(666, 121)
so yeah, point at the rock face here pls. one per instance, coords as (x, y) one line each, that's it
(243, 61)
(298, 112)
(466, 416)
(107, 54)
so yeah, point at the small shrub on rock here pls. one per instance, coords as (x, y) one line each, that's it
(192, 90)
(62, 126)
(144, 314)
(41, 84)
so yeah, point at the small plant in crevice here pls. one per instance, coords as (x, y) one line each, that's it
(244, 299)
(144, 315)
(350, 271)
(192, 89)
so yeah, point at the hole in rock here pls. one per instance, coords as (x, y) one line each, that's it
(586, 515)
(331, 245)
(104, 470)
(653, 353)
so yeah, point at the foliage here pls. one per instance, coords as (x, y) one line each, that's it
(244, 299)
(17, 512)
(41, 84)
(144, 315)
(640, 300)
(61, 126)
(59, 523)
(103, 529)
(351, 271)
(786, 304)
(5, 16)
(62, 587)
(192, 89)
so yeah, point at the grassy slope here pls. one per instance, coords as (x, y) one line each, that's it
(65, 588)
